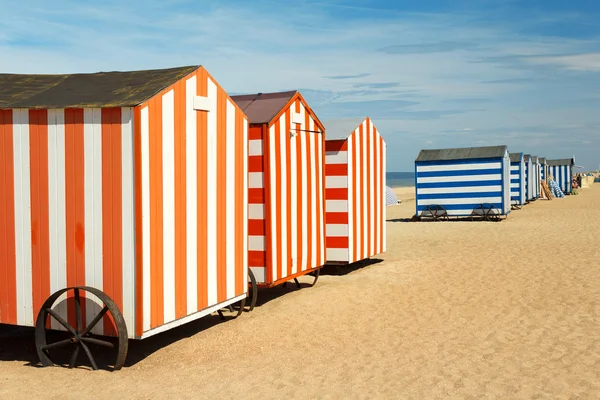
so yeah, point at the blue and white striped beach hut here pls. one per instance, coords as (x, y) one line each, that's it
(517, 179)
(463, 180)
(528, 177)
(536, 176)
(561, 171)
(543, 168)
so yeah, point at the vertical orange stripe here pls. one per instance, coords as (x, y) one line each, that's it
(240, 144)
(139, 239)
(8, 274)
(355, 189)
(310, 226)
(180, 200)
(288, 179)
(381, 191)
(156, 212)
(276, 154)
(112, 210)
(75, 211)
(221, 196)
(369, 189)
(40, 242)
(202, 155)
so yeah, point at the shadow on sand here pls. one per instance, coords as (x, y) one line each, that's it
(17, 343)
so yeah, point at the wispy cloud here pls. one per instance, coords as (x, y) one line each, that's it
(357, 76)
(424, 48)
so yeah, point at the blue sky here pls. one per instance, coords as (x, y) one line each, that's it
(431, 74)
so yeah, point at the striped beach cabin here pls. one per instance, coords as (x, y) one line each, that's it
(528, 177)
(561, 171)
(286, 187)
(354, 191)
(543, 168)
(131, 183)
(517, 179)
(462, 180)
(536, 176)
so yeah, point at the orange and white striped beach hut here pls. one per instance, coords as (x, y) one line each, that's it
(131, 183)
(355, 166)
(286, 186)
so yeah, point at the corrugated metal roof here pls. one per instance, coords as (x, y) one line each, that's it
(462, 153)
(516, 157)
(341, 128)
(101, 89)
(562, 161)
(261, 108)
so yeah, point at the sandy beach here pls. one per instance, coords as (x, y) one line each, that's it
(454, 310)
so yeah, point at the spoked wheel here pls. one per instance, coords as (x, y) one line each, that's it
(253, 289)
(486, 211)
(233, 310)
(80, 337)
(435, 211)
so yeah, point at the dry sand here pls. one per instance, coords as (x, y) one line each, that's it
(456, 310)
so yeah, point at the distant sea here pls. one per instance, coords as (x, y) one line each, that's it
(400, 179)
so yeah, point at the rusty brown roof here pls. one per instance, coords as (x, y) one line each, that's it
(261, 108)
(102, 89)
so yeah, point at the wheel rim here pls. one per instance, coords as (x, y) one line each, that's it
(253, 289)
(79, 337)
(316, 274)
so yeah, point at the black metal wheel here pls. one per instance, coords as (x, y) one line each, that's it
(80, 337)
(253, 289)
(314, 274)
(486, 211)
(435, 211)
(233, 310)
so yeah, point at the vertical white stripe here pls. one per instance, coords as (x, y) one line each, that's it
(358, 189)
(191, 196)
(321, 185)
(92, 187)
(245, 204)
(294, 200)
(230, 199)
(365, 191)
(211, 198)
(168, 180)
(57, 209)
(25, 311)
(273, 212)
(312, 157)
(378, 193)
(351, 205)
(128, 219)
(304, 188)
(146, 279)
(284, 137)
(372, 187)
